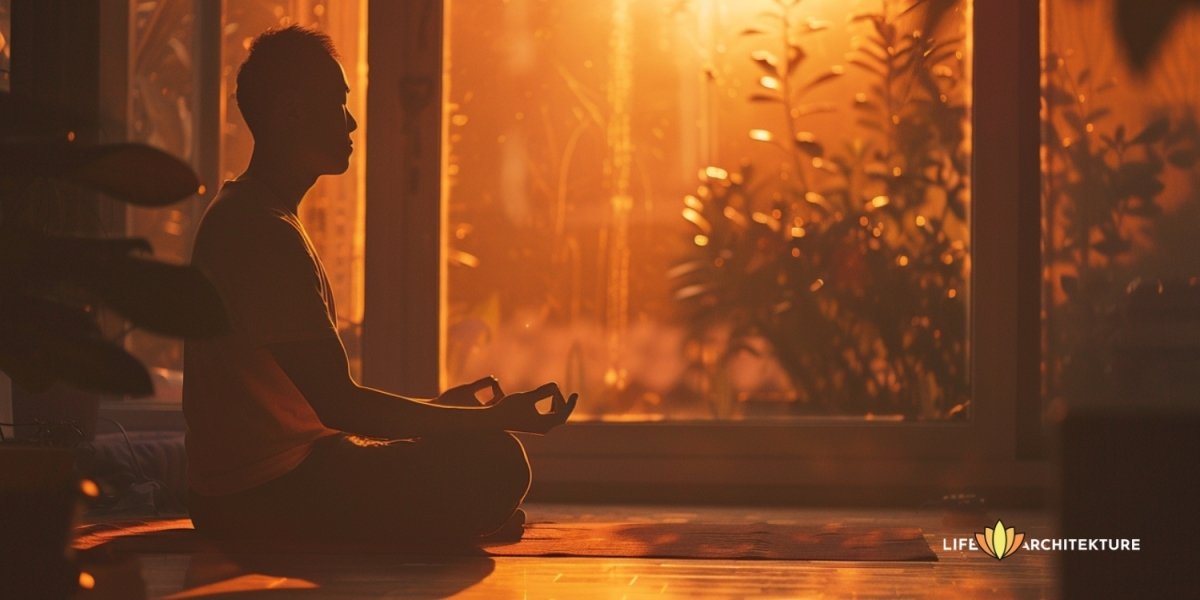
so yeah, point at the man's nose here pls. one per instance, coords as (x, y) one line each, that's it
(351, 123)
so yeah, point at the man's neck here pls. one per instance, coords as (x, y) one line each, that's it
(287, 183)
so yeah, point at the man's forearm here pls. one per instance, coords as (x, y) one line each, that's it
(318, 369)
(373, 413)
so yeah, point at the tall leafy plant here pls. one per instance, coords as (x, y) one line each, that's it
(849, 261)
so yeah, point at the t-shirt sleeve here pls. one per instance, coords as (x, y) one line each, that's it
(271, 284)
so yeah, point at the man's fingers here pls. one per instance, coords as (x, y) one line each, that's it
(497, 393)
(482, 383)
(558, 404)
(545, 390)
(569, 407)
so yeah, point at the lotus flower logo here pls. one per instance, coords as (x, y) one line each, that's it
(999, 542)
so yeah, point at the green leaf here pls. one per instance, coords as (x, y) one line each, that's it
(807, 144)
(767, 61)
(42, 342)
(135, 173)
(1152, 133)
(1056, 96)
(823, 78)
(795, 56)
(813, 109)
(871, 124)
(866, 66)
(763, 97)
(1098, 114)
(169, 299)
(1184, 159)
(1075, 121)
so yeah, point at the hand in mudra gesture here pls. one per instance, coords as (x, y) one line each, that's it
(514, 412)
(519, 412)
(467, 394)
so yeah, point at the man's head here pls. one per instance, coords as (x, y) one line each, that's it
(292, 94)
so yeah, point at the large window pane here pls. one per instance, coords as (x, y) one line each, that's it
(164, 56)
(1121, 211)
(715, 208)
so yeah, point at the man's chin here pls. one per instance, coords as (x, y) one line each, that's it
(336, 168)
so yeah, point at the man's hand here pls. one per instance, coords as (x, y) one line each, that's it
(519, 412)
(466, 395)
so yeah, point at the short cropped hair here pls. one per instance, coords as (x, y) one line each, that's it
(280, 62)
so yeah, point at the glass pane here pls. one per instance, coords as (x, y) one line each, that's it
(333, 210)
(1121, 211)
(163, 112)
(706, 209)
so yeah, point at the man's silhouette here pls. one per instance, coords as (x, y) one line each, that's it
(276, 424)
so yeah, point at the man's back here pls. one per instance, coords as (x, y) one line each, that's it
(247, 421)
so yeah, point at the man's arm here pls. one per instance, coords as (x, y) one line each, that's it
(319, 369)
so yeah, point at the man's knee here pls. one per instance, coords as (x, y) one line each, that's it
(491, 465)
(507, 460)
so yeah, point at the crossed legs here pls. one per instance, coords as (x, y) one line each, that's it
(450, 488)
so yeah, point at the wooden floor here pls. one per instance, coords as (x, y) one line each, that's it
(957, 574)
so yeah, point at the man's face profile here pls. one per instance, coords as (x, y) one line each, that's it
(320, 124)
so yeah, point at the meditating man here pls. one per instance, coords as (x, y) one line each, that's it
(282, 443)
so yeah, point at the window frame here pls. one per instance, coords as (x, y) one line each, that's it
(997, 449)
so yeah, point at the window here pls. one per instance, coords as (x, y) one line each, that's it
(689, 447)
(713, 209)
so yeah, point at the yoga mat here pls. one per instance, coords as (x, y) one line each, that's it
(625, 540)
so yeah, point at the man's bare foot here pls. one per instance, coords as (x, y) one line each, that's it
(510, 531)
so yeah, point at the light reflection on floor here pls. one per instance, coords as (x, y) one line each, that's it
(957, 574)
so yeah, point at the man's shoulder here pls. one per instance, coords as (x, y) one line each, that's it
(239, 219)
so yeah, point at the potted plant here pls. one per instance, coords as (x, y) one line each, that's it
(52, 287)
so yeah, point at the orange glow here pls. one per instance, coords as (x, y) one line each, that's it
(761, 135)
(242, 583)
(89, 488)
(616, 162)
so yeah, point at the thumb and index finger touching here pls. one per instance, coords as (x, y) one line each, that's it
(484, 383)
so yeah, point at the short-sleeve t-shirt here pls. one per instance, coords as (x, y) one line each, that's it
(247, 422)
